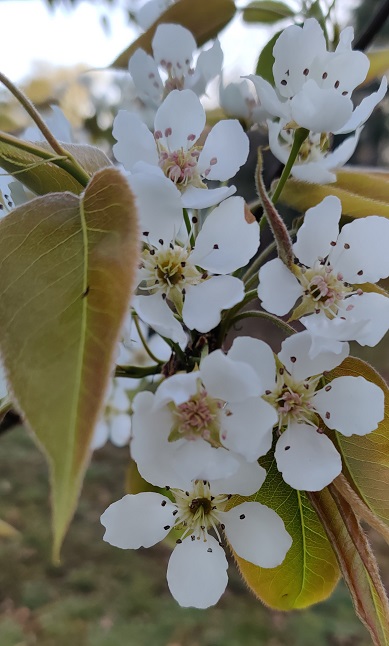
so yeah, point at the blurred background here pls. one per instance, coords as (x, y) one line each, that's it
(100, 596)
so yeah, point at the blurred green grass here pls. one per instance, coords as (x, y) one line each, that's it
(102, 596)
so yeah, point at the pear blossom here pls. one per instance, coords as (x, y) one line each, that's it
(304, 400)
(150, 12)
(313, 86)
(115, 423)
(332, 268)
(237, 100)
(193, 279)
(174, 153)
(173, 47)
(203, 424)
(315, 162)
(197, 569)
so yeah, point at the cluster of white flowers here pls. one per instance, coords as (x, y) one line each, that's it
(199, 431)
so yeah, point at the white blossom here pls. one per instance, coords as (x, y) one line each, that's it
(332, 268)
(196, 573)
(173, 48)
(202, 424)
(173, 152)
(305, 400)
(115, 423)
(193, 279)
(150, 12)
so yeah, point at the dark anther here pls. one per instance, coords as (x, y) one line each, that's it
(242, 517)
(163, 503)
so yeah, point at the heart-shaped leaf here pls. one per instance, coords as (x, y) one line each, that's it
(67, 269)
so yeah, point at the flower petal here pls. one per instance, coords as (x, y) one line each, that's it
(363, 111)
(257, 534)
(120, 429)
(145, 75)
(173, 47)
(154, 311)
(100, 435)
(320, 228)
(226, 241)
(246, 480)
(361, 253)
(268, 98)
(180, 119)
(159, 206)
(228, 380)
(350, 405)
(209, 65)
(205, 302)
(197, 572)
(138, 521)
(178, 389)
(328, 335)
(320, 110)
(247, 427)
(307, 459)
(134, 140)
(371, 312)
(278, 289)
(297, 360)
(258, 355)
(200, 198)
(225, 150)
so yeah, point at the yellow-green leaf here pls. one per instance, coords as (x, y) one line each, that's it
(360, 196)
(366, 458)
(266, 11)
(7, 531)
(379, 64)
(41, 175)
(204, 19)
(309, 572)
(67, 269)
(357, 563)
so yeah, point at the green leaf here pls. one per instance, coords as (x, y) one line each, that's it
(7, 531)
(309, 572)
(41, 175)
(379, 64)
(205, 20)
(359, 198)
(67, 270)
(357, 562)
(366, 458)
(266, 12)
(266, 60)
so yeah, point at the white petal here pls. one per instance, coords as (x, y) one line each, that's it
(159, 206)
(246, 480)
(120, 430)
(257, 534)
(154, 311)
(173, 47)
(361, 253)
(209, 65)
(180, 119)
(236, 239)
(200, 198)
(307, 459)
(138, 521)
(297, 360)
(313, 172)
(134, 140)
(234, 97)
(320, 110)
(343, 152)
(145, 75)
(197, 573)
(100, 435)
(198, 460)
(247, 427)
(329, 335)
(363, 111)
(371, 311)
(225, 150)
(178, 389)
(258, 355)
(320, 228)
(228, 380)
(350, 405)
(205, 302)
(278, 289)
(268, 98)
(150, 11)
(280, 151)
(293, 52)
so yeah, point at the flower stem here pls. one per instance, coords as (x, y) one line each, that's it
(288, 329)
(300, 136)
(143, 340)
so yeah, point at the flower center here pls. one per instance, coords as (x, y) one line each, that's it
(179, 165)
(198, 510)
(292, 399)
(323, 289)
(197, 418)
(314, 148)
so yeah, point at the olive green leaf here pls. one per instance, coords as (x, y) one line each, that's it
(309, 572)
(267, 11)
(67, 270)
(204, 19)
